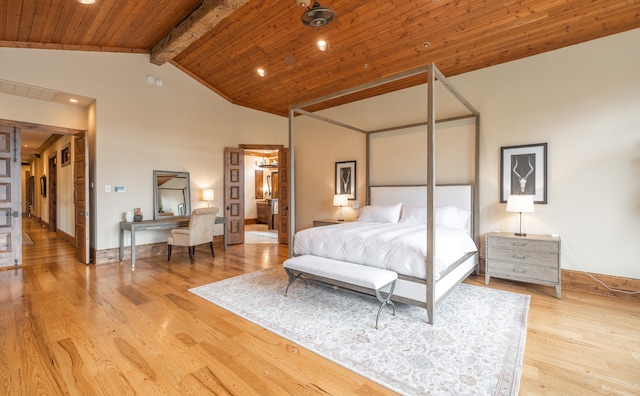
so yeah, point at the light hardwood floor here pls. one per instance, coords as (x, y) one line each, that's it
(68, 328)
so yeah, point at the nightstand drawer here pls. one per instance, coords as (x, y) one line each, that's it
(525, 244)
(519, 271)
(523, 256)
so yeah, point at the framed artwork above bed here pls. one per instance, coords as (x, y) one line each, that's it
(523, 170)
(346, 179)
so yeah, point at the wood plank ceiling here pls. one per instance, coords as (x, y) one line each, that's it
(221, 43)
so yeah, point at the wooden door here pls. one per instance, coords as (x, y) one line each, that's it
(81, 197)
(52, 194)
(31, 194)
(259, 180)
(283, 196)
(10, 196)
(234, 194)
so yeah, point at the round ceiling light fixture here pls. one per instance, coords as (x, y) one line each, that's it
(322, 45)
(317, 15)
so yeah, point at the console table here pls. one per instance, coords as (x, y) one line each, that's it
(161, 224)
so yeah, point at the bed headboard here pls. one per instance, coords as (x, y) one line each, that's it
(460, 195)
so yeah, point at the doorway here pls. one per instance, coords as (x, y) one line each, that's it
(261, 195)
(252, 194)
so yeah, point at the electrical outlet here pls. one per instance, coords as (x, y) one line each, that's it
(356, 205)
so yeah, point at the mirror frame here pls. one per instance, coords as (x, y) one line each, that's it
(186, 194)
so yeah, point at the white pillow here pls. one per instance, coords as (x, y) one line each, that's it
(452, 217)
(379, 213)
(446, 216)
(413, 214)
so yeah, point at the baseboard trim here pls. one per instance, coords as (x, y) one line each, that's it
(579, 281)
(110, 256)
(66, 237)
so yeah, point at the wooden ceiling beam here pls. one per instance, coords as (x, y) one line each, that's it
(201, 21)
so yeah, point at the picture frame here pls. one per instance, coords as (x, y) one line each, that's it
(523, 170)
(65, 155)
(43, 186)
(345, 179)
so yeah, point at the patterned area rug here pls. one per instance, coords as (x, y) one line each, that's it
(475, 347)
(26, 239)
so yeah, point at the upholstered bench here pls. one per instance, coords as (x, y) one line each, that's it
(337, 273)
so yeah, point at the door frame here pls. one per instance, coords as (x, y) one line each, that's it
(52, 191)
(53, 130)
(274, 147)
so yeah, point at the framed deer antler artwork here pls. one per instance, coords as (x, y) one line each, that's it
(523, 171)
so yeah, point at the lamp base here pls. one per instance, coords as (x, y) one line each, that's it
(520, 234)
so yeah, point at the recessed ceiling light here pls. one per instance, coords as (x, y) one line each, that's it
(86, 1)
(261, 72)
(73, 100)
(426, 44)
(322, 45)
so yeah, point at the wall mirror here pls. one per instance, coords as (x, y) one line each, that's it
(171, 194)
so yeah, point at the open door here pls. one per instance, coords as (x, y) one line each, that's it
(10, 195)
(283, 196)
(234, 194)
(81, 197)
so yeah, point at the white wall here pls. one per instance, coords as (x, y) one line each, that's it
(139, 127)
(584, 101)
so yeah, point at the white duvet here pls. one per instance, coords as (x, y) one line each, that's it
(401, 248)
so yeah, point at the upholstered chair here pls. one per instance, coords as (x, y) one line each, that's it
(200, 231)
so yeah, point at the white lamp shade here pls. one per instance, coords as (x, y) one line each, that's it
(207, 194)
(520, 203)
(340, 200)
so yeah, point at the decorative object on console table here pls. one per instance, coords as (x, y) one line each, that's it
(534, 259)
(137, 214)
(520, 204)
(346, 179)
(128, 216)
(523, 171)
(340, 200)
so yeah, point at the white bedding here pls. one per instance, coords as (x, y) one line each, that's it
(401, 248)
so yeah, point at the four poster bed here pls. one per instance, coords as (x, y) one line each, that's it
(426, 235)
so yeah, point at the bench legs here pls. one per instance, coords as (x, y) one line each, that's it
(293, 276)
(385, 301)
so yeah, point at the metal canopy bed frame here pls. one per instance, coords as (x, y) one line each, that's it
(433, 75)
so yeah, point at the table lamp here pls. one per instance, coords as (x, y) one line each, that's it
(207, 195)
(520, 204)
(340, 200)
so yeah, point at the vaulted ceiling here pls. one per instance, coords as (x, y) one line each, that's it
(222, 43)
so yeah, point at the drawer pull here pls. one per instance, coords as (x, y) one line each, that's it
(519, 257)
(519, 244)
(520, 270)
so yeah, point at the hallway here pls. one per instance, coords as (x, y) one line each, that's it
(46, 247)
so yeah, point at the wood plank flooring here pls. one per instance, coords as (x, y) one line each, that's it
(68, 328)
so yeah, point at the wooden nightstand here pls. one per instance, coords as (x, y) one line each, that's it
(532, 258)
(324, 222)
